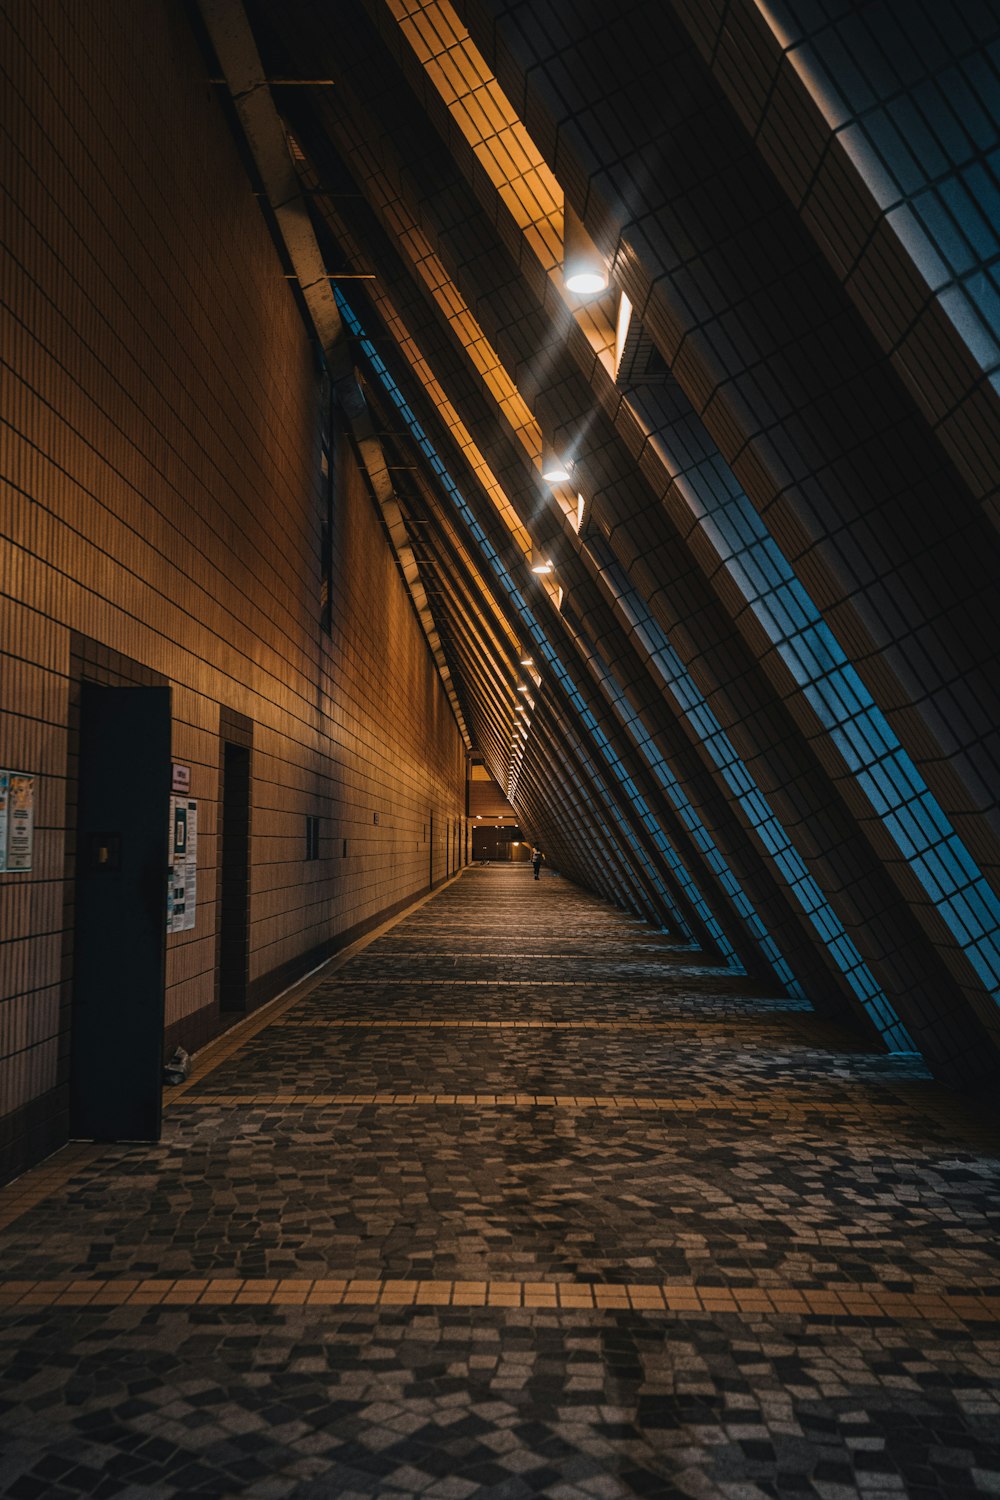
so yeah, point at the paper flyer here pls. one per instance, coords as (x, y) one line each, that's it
(17, 821)
(182, 885)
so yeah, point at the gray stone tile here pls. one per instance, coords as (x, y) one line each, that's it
(882, 1181)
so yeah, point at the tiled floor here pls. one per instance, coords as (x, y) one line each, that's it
(522, 1200)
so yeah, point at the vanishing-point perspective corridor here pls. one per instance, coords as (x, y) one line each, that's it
(499, 749)
(523, 1199)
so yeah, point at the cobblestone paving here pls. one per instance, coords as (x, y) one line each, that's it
(789, 1285)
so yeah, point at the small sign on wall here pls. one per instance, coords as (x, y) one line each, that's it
(182, 880)
(17, 821)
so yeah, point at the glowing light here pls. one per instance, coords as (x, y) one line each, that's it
(586, 281)
(555, 470)
(584, 269)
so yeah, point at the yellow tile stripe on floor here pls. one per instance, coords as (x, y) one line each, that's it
(693, 1024)
(529, 982)
(847, 1301)
(772, 1104)
(501, 955)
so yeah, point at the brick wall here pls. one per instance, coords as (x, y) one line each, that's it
(160, 518)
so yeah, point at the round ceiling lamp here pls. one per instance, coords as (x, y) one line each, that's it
(554, 469)
(584, 269)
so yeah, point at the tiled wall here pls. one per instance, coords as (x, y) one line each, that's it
(160, 515)
(764, 703)
(881, 124)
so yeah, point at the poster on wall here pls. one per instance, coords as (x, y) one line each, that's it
(182, 883)
(17, 821)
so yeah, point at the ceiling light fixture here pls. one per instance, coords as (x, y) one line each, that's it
(586, 283)
(584, 268)
(555, 470)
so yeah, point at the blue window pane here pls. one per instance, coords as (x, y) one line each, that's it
(862, 735)
(966, 319)
(896, 153)
(975, 203)
(944, 232)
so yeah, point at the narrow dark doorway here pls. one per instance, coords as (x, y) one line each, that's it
(234, 902)
(119, 944)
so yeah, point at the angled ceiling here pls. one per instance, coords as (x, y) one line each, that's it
(697, 707)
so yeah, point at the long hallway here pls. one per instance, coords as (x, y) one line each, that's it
(519, 1199)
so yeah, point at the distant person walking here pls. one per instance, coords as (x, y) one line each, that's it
(536, 859)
